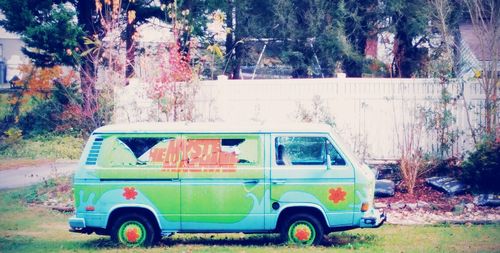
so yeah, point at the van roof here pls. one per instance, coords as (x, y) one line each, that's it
(184, 127)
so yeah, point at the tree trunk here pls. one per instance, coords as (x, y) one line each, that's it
(88, 73)
(130, 47)
(233, 48)
(88, 78)
(229, 36)
(229, 23)
(130, 43)
(237, 61)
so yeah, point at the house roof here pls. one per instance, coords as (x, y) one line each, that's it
(7, 35)
(471, 38)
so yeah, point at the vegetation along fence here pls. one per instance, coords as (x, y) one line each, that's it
(376, 116)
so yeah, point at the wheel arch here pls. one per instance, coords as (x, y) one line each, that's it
(144, 210)
(310, 209)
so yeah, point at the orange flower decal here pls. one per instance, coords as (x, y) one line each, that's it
(302, 234)
(132, 235)
(129, 193)
(337, 195)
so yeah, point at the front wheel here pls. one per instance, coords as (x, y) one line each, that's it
(133, 230)
(302, 229)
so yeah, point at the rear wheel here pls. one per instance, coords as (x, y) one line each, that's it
(302, 229)
(134, 230)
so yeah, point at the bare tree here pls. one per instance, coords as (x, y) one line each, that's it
(409, 132)
(485, 22)
(441, 11)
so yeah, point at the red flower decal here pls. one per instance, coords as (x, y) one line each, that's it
(129, 193)
(337, 195)
(132, 235)
(302, 234)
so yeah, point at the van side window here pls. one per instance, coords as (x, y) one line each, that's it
(130, 151)
(167, 151)
(335, 155)
(141, 146)
(300, 150)
(223, 151)
(305, 151)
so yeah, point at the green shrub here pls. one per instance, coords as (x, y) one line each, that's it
(443, 167)
(59, 112)
(12, 137)
(5, 110)
(481, 170)
(42, 118)
(51, 147)
(57, 188)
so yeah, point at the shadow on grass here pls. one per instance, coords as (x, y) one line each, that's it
(100, 243)
(223, 240)
(339, 240)
(348, 240)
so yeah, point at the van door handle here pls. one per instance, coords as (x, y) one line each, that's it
(278, 181)
(254, 181)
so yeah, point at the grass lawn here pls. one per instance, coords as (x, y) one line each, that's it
(44, 148)
(36, 229)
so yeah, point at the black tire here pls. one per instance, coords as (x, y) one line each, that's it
(302, 229)
(134, 230)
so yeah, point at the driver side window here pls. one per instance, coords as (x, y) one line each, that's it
(305, 151)
(335, 156)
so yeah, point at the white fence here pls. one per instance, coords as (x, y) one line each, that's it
(368, 113)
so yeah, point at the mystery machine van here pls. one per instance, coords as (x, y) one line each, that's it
(139, 182)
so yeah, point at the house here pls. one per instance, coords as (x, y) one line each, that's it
(11, 55)
(475, 56)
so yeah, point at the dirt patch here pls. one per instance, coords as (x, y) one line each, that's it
(423, 192)
(430, 206)
(18, 163)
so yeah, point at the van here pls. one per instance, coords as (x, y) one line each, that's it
(139, 182)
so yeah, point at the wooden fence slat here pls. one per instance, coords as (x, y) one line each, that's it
(365, 109)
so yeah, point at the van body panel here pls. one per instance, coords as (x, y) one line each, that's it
(209, 191)
(332, 189)
(220, 179)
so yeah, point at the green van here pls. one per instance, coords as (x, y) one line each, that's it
(139, 182)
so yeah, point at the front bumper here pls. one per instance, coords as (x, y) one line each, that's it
(374, 220)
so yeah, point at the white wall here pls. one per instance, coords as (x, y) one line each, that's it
(368, 112)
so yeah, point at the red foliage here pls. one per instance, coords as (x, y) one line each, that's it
(175, 70)
(39, 82)
(71, 117)
(173, 87)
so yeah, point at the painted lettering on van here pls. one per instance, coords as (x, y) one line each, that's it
(201, 155)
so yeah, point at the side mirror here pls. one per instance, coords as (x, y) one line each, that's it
(328, 162)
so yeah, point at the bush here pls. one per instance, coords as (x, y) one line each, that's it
(481, 170)
(12, 137)
(57, 190)
(45, 147)
(41, 119)
(444, 167)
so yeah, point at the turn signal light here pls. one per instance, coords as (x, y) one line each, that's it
(365, 206)
(89, 208)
